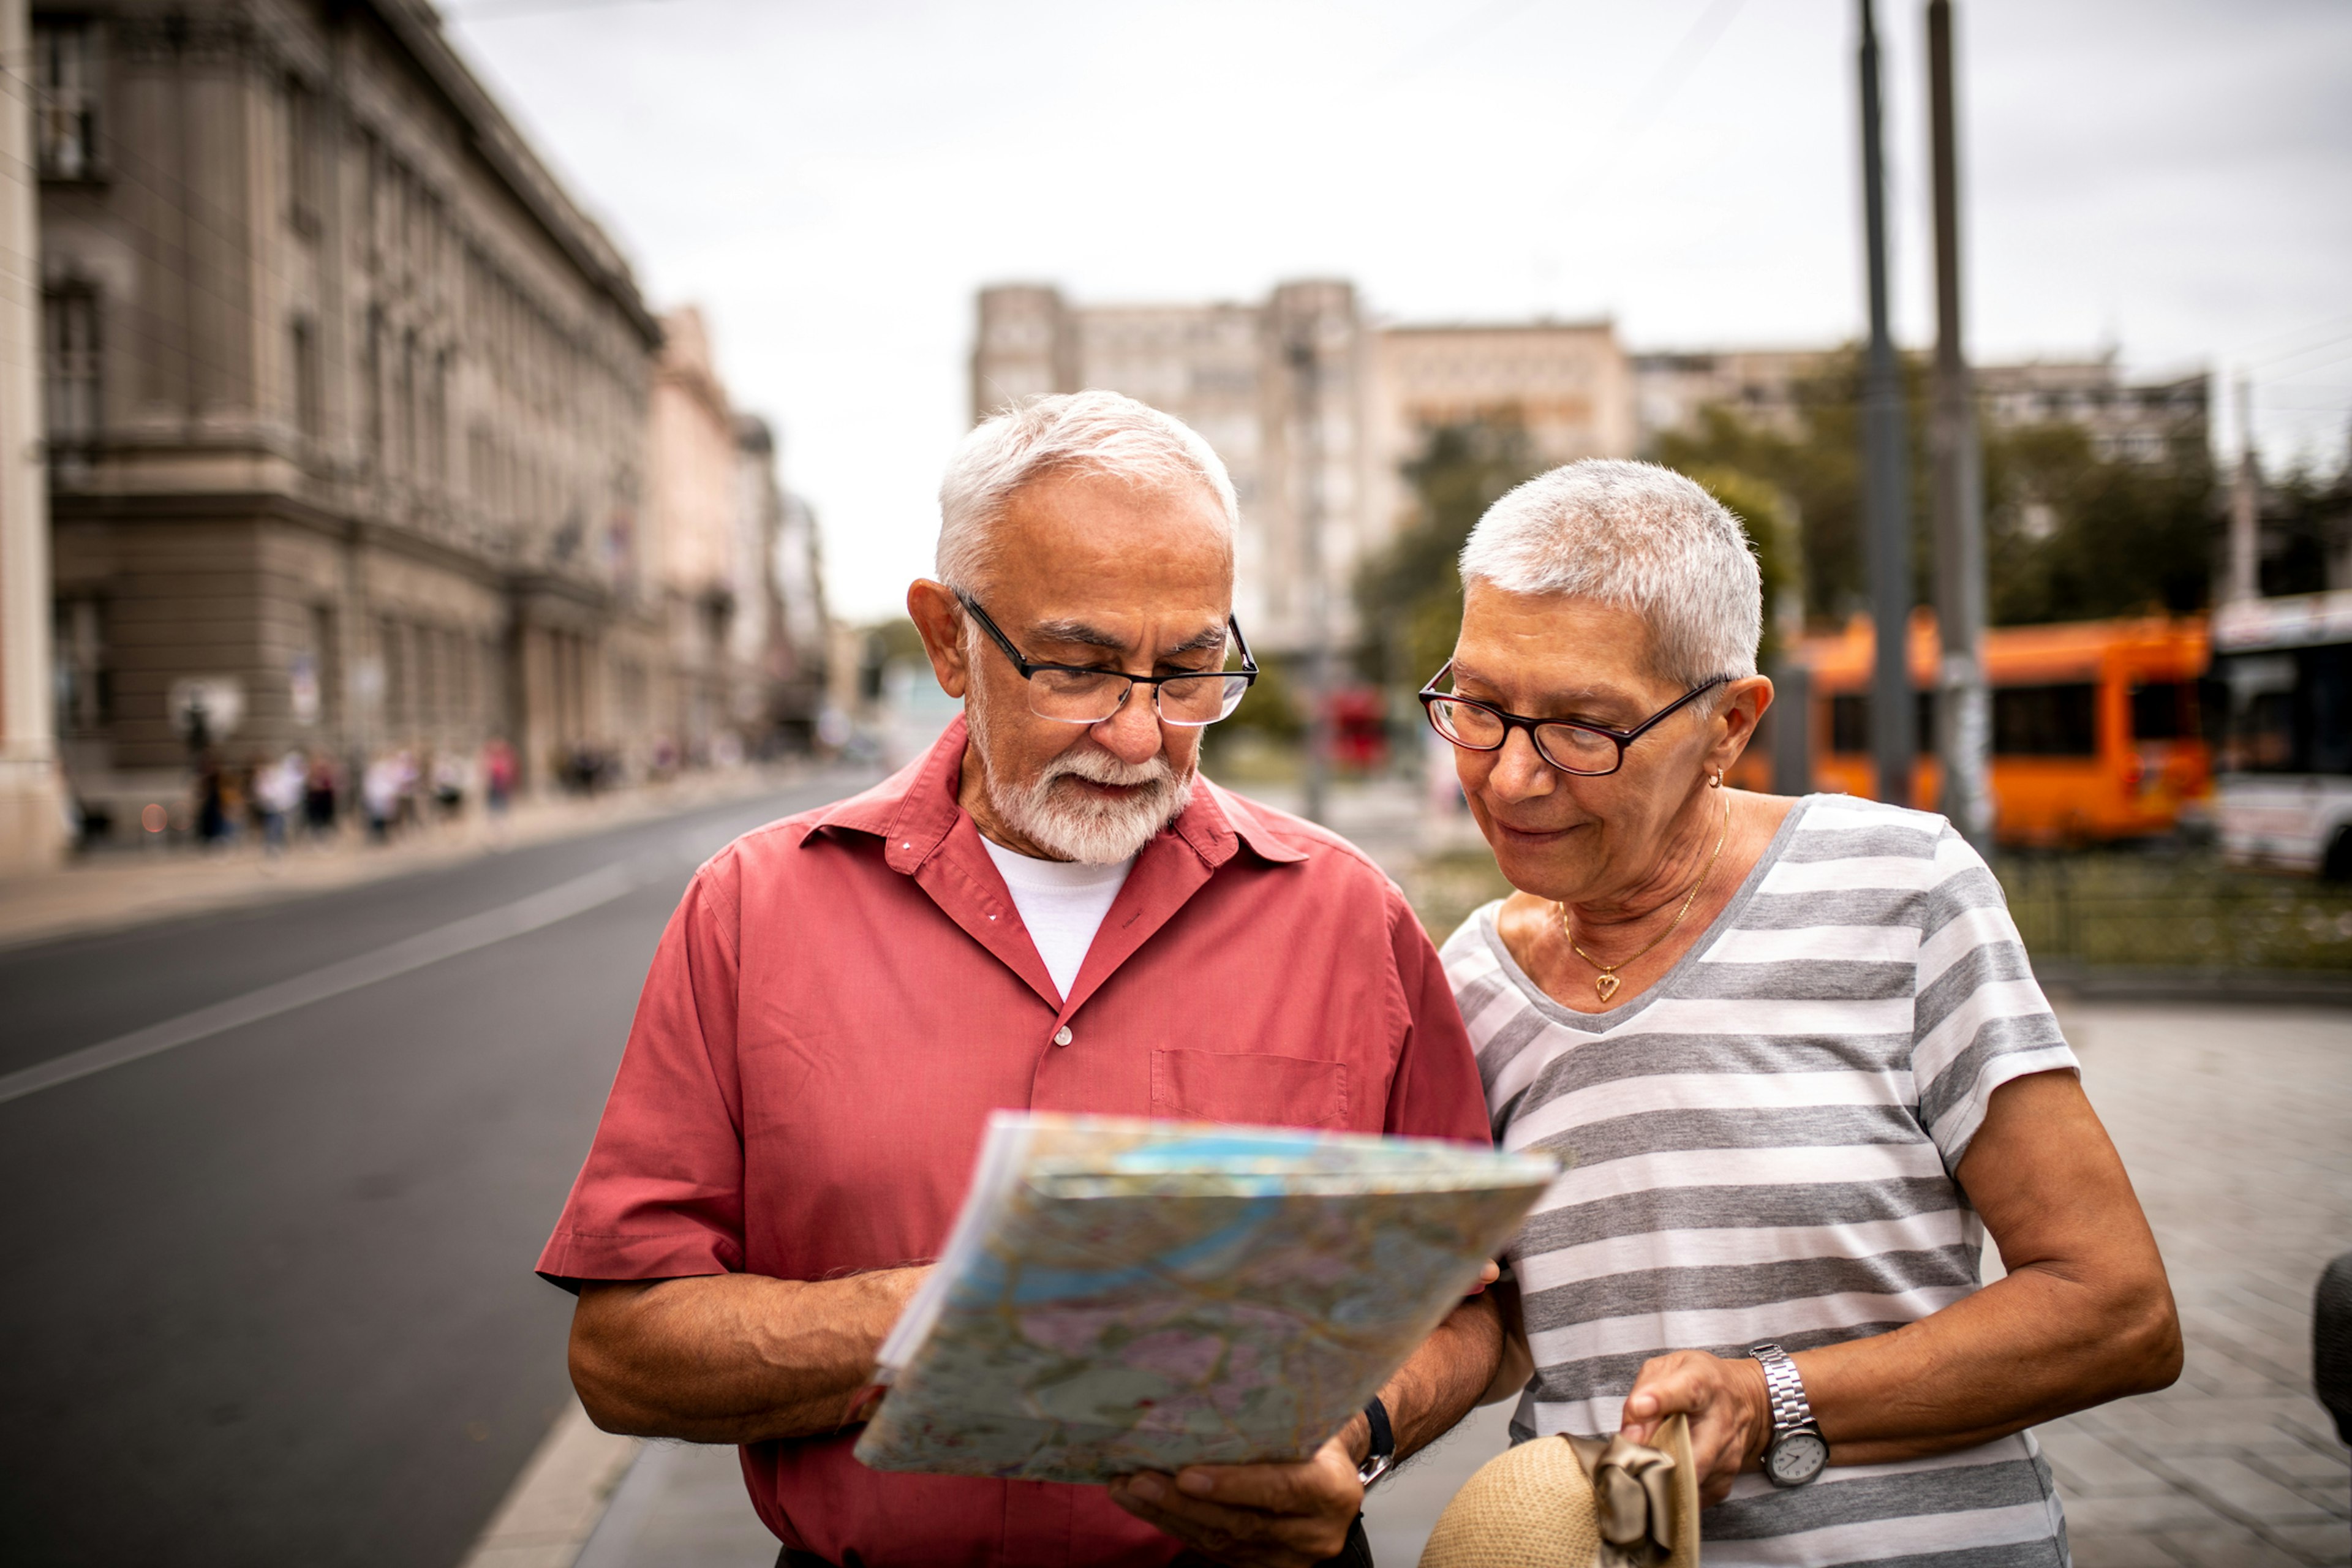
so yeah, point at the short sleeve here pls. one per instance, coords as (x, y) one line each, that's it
(1435, 1092)
(1980, 1018)
(661, 1195)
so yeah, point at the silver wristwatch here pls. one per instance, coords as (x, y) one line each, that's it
(1798, 1451)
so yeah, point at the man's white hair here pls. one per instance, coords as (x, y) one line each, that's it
(1087, 432)
(1640, 537)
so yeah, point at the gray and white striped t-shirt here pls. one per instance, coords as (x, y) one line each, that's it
(1764, 1143)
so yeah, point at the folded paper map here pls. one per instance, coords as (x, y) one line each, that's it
(1122, 1295)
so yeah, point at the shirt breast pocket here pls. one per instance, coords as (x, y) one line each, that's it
(1249, 1087)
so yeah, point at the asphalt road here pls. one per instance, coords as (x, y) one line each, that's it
(267, 1294)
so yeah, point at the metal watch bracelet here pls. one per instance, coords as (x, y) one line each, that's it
(1796, 1451)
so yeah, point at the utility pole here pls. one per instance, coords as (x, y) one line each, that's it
(1307, 374)
(1963, 716)
(2245, 506)
(1886, 510)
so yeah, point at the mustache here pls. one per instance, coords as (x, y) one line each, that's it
(1101, 767)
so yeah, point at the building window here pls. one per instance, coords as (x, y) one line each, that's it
(302, 348)
(65, 81)
(372, 392)
(85, 692)
(69, 367)
(305, 158)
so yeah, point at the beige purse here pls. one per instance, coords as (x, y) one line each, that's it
(1576, 1502)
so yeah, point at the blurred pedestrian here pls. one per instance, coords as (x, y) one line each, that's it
(499, 777)
(319, 795)
(276, 795)
(380, 793)
(214, 824)
(448, 784)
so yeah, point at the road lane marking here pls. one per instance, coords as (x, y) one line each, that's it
(546, 907)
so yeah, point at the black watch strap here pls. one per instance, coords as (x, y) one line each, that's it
(1382, 1452)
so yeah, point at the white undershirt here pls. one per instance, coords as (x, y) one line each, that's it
(1062, 902)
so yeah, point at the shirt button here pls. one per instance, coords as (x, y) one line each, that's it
(1061, 1035)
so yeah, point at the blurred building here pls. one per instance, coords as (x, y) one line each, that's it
(345, 401)
(2140, 421)
(1313, 406)
(738, 569)
(794, 647)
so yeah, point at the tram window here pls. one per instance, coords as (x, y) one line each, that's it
(2259, 736)
(2159, 711)
(2045, 721)
(1849, 724)
(2328, 696)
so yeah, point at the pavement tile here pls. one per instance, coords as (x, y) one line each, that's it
(2300, 1463)
(2229, 1549)
(2320, 1542)
(2087, 1465)
(2174, 1510)
(2119, 1551)
(2239, 1488)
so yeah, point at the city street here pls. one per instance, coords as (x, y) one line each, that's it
(270, 1298)
(272, 1294)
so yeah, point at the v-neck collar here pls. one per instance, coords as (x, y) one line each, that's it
(1602, 1023)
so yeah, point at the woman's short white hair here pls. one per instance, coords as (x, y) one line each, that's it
(1090, 432)
(1641, 538)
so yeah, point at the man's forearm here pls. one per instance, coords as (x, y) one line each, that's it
(1442, 1382)
(731, 1358)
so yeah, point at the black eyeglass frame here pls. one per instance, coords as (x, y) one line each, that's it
(1430, 697)
(1027, 669)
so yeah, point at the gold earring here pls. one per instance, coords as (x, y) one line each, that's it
(1715, 782)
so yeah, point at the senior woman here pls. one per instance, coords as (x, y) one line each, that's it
(1797, 1053)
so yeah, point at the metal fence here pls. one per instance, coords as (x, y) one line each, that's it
(2188, 910)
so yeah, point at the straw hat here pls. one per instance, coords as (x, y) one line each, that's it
(1535, 1506)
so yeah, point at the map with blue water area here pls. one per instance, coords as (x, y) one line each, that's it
(1121, 1295)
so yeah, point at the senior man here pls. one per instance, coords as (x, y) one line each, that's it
(1050, 911)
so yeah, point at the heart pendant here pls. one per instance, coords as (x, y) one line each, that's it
(1606, 985)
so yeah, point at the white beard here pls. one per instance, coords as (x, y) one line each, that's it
(1081, 826)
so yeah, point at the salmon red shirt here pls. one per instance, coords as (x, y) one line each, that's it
(843, 996)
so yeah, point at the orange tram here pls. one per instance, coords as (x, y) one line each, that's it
(2096, 724)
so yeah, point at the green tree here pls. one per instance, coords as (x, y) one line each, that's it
(1409, 595)
(2070, 535)
(1764, 510)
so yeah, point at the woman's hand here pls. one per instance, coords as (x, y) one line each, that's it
(1730, 1408)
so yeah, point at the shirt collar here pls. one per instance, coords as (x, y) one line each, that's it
(915, 809)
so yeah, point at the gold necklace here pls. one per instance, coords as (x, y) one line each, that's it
(1606, 983)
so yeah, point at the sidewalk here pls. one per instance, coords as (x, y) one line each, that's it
(113, 889)
(2233, 1123)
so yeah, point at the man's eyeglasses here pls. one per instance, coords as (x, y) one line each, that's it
(1073, 694)
(1568, 744)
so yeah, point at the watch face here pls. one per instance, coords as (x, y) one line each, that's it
(1796, 1458)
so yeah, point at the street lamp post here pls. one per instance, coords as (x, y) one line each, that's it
(1887, 492)
(1963, 720)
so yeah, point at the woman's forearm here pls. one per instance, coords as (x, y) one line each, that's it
(2031, 1347)
(732, 1358)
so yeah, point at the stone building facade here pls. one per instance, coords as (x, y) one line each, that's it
(1314, 407)
(1280, 389)
(792, 643)
(741, 600)
(346, 402)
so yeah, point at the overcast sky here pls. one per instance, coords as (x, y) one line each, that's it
(831, 183)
